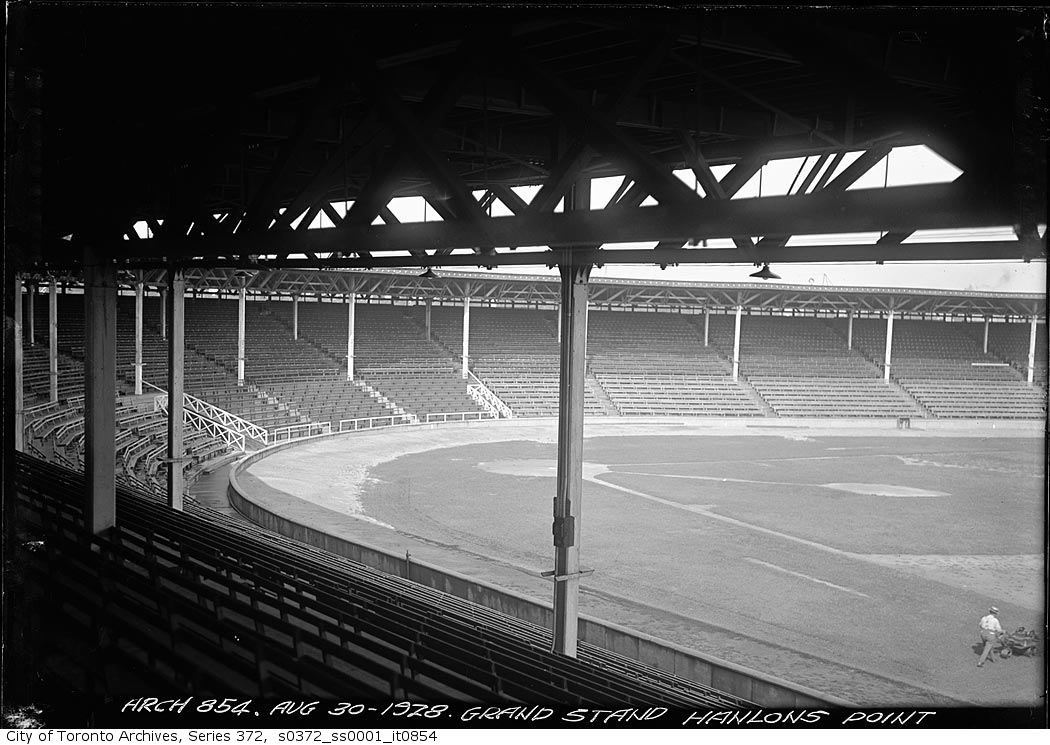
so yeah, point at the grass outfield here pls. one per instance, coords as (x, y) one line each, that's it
(854, 564)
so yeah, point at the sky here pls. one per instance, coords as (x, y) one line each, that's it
(903, 166)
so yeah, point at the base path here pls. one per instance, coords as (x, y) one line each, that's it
(851, 559)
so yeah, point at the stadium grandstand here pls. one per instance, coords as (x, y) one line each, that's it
(264, 409)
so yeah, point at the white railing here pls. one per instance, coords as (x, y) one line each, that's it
(352, 425)
(216, 430)
(460, 416)
(486, 398)
(202, 408)
(194, 418)
(296, 431)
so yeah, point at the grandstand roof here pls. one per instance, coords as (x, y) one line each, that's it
(544, 290)
(282, 111)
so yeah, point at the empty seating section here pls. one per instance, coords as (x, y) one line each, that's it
(56, 434)
(391, 354)
(1010, 341)
(639, 363)
(36, 371)
(942, 366)
(802, 368)
(199, 603)
(515, 353)
(657, 364)
(329, 399)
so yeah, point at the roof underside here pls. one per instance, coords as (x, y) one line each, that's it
(220, 127)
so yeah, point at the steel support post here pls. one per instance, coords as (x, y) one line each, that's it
(736, 343)
(176, 301)
(1031, 353)
(889, 347)
(351, 308)
(19, 394)
(31, 312)
(707, 326)
(163, 313)
(466, 335)
(849, 331)
(429, 307)
(100, 390)
(139, 297)
(52, 341)
(240, 336)
(295, 317)
(987, 323)
(568, 500)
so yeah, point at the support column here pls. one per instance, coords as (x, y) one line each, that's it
(707, 326)
(1031, 354)
(138, 336)
(19, 396)
(100, 390)
(295, 317)
(568, 500)
(164, 313)
(351, 306)
(889, 347)
(31, 312)
(176, 301)
(849, 332)
(240, 336)
(736, 344)
(466, 335)
(52, 341)
(429, 307)
(987, 323)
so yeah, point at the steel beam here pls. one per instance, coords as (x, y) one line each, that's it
(18, 363)
(295, 317)
(736, 343)
(1031, 353)
(902, 208)
(889, 347)
(176, 375)
(466, 336)
(31, 312)
(351, 309)
(52, 341)
(569, 497)
(100, 390)
(139, 289)
(240, 334)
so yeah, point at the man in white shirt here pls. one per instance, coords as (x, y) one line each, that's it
(990, 630)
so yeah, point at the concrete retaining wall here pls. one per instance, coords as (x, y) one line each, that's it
(764, 690)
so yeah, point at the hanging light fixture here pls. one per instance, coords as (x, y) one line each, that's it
(765, 273)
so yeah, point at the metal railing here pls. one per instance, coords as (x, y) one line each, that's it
(486, 398)
(352, 425)
(298, 431)
(209, 426)
(205, 410)
(460, 416)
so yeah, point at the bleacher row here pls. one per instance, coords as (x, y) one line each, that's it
(638, 363)
(196, 602)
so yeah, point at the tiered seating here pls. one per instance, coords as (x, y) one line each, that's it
(196, 600)
(942, 366)
(391, 354)
(1010, 342)
(978, 399)
(35, 371)
(329, 399)
(656, 364)
(802, 368)
(515, 353)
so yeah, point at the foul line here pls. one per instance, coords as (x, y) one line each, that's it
(776, 568)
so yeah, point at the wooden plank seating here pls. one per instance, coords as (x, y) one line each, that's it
(268, 595)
